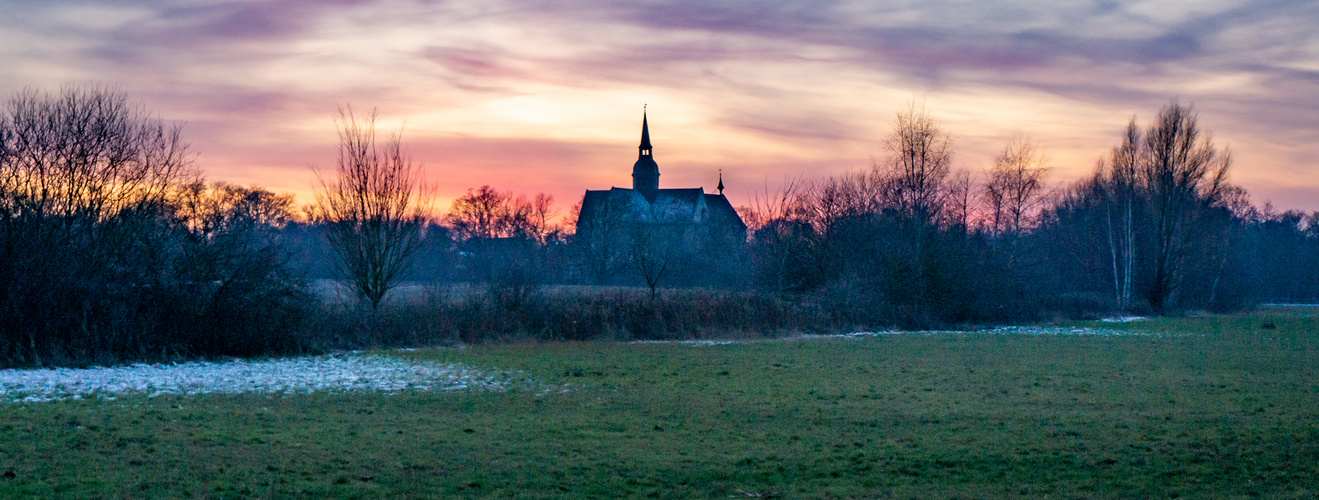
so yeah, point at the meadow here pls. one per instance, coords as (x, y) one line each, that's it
(1210, 406)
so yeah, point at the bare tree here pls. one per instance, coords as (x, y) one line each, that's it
(1183, 173)
(656, 248)
(112, 248)
(374, 207)
(1015, 186)
(234, 274)
(1121, 195)
(87, 153)
(915, 171)
(779, 234)
(1162, 212)
(208, 209)
(85, 179)
(540, 212)
(504, 239)
(920, 154)
(481, 213)
(489, 213)
(962, 203)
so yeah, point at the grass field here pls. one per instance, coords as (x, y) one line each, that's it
(1221, 406)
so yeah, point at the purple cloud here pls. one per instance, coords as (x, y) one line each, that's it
(770, 69)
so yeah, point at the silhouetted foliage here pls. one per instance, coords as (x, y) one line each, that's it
(504, 241)
(111, 249)
(373, 207)
(1156, 221)
(1015, 188)
(1283, 252)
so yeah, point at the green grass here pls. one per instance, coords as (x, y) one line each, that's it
(1223, 406)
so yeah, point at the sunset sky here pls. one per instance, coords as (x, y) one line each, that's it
(546, 96)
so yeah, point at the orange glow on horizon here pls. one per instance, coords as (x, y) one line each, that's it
(529, 98)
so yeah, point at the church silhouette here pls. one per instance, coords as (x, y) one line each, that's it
(696, 214)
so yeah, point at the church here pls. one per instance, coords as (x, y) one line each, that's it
(647, 203)
(686, 234)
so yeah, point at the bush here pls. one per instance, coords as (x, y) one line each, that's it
(572, 314)
(110, 250)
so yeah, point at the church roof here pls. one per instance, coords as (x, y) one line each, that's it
(679, 205)
(686, 196)
(722, 212)
(593, 205)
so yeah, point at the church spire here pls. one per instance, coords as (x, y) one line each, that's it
(645, 172)
(645, 134)
(721, 181)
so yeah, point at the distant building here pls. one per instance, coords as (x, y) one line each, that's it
(647, 203)
(701, 226)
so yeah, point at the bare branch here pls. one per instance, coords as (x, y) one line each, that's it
(374, 206)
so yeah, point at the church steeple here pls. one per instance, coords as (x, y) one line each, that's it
(645, 135)
(645, 172)
(721, 181)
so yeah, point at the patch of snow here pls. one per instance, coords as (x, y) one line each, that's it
(690, 342)
(877, 333)
(1001, 330)
(1060, 330)
(797, 337)
(1123, 319)
(351, 372)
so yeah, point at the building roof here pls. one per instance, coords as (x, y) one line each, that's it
(682, 206)
(722, 212)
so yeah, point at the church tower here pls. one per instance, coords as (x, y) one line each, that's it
(645, 172)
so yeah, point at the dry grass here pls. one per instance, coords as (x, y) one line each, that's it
(421, 316)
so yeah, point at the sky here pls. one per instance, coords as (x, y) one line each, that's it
(547, 96)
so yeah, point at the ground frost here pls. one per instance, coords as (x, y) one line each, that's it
(1000, 330)
(1063, 330)
(350, 372)
(1122, 319)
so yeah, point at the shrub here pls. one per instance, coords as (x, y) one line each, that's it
(110, 250)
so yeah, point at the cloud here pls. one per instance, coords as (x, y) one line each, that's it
(778, 123)
(235, 21)
(768, 85)
(941, 37)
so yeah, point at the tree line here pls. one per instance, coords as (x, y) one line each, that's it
(114, 247)
(1156, 228)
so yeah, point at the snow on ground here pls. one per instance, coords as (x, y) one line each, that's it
(1062, 330)
(350, 372)
(690, 342)
(347, 372)
(1123, 319)
(1000, 330)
